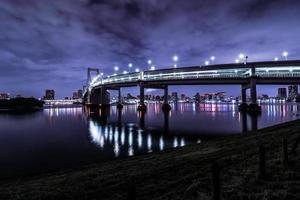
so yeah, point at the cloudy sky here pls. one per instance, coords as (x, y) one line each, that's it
(50, 44)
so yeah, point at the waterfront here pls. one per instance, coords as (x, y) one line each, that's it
(60, 138)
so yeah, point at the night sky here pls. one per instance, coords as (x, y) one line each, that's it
(49, 44)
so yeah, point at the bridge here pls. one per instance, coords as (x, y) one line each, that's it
(248, 75)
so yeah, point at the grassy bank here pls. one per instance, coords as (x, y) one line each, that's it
(183, 173)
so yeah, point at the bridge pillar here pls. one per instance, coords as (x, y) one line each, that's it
(244, 95)
(142, 106)
(119, 105)
(104, 98)
(98, 97)
(166, 106)
(253, 91)
(243, 106)
(253, 106)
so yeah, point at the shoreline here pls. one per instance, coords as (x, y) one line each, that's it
(134, 169)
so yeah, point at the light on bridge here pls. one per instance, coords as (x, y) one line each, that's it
(125, 72)
(116, 68)
(152, 67)
(285, 54)
(137, 70)
(237, 61)
(149, 62)
(212, 58)
(175, 58)
(276, 59)
(206, 62)
(241, 56)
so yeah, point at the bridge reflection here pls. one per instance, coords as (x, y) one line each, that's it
(127, 139)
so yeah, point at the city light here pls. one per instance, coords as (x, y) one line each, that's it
(149, 62)
(206, 62)
(116, 68)
(137, 70)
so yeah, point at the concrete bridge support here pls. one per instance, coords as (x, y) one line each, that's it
(166, 106)
(142, 107)
(98, 97)
(120, 103)
(253, 106)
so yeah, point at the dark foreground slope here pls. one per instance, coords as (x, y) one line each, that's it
(183, 173)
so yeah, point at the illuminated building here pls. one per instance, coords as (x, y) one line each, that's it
(49, 94)
(293, 92)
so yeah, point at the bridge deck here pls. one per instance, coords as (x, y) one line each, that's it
(271, 72)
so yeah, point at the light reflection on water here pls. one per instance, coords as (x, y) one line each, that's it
(65, 137)
(156, 131)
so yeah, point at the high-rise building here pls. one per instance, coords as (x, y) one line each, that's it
(80, 94)
(282, 93)
(174, 96)
(49, 94)
(75, 95)
(293, 92)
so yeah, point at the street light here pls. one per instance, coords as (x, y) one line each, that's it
(137, 70)
(152, 67)
(116, 68)
(241, 56)
(212, 59)
(149, 62)
(206, 62)
(175, 59)
(125, 72)
(237, 61)
(285, 54)
(276, 59)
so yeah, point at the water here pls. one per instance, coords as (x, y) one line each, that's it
(59, 138)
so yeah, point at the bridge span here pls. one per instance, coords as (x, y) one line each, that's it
(248, 75)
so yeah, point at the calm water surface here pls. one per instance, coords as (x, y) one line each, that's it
(59, 138)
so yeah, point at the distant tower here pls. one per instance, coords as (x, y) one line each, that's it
(49, 94)
(80, 93)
